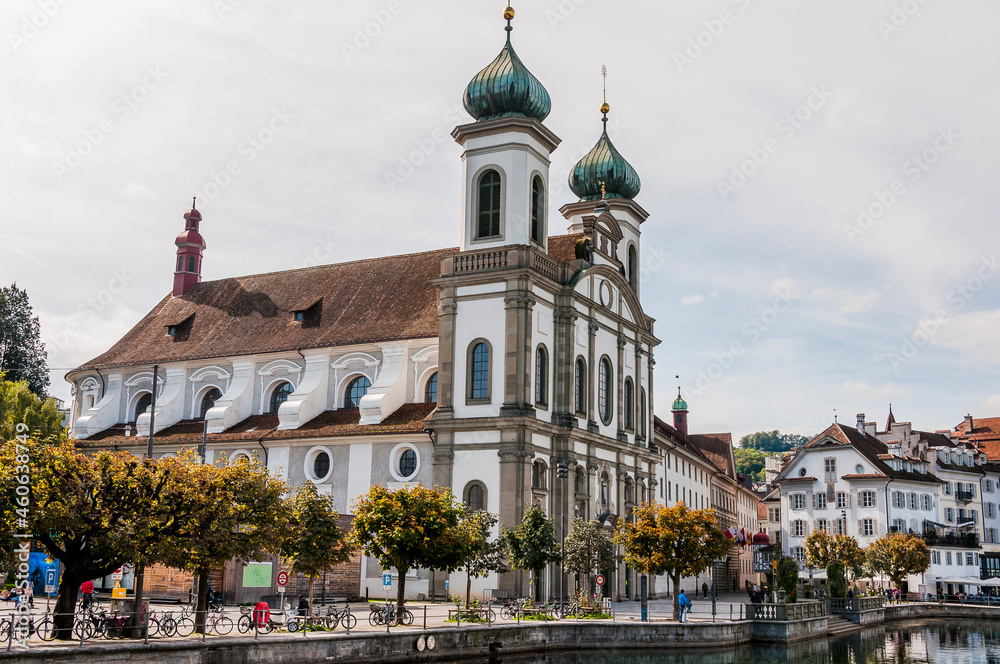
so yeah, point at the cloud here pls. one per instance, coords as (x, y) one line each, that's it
(848, 301)
(861, 392)
(974, 335)
(136, 190)
(692, 299)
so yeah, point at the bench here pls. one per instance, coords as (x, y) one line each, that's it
(501, 594)
(478, 614)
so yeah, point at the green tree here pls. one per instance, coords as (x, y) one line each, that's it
(897, 556)
(532, 545)
(19, 405)
(772, 441)
(588, 548)
(92, 513)
(788, 578)
(837, 579)
(676, 541)
(314, 541)
(484, 556)
(410, 527)
(822, 549)
(211, 514)
(750, 462)
(22, 353)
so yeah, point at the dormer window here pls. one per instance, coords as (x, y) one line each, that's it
(308, 316)
(299, 316)
(171, 330)
(181, 330)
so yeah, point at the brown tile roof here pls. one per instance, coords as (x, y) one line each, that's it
(365, 301)
(675, 436)
(871, 449)
(985, 435)
(563, 247)
(408, 418)
(718, 448)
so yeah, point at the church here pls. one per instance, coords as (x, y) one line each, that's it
(480, 368)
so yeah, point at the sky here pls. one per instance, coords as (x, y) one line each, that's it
(820, 176)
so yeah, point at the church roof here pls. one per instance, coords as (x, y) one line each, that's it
(366, 301)
(408, 418)
(717, 447)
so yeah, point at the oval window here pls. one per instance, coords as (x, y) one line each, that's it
(321, 465)
(407, 463)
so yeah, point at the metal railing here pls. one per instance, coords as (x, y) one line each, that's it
(786, 612)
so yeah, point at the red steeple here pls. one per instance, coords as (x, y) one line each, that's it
(190, 245)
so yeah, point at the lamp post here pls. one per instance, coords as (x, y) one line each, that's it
(562, 472)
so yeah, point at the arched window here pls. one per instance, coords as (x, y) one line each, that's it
(475, 496)
(479, 371)
(431, 391)
(580, 481)
(629, 493)
(538, 474)
(190, 263)
(580, 393)
(642, 412)
(142, 404)
(356, 389)
(627, 404)
(541, 376)
(280, 396)
(209, 400)
(633, 268)
(180, 263)
(488, 222)
(537, 211)
(604, 390)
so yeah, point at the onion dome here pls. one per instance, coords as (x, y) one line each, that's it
(761, 539)
(679, 403)
(603, 172)
(506, 88)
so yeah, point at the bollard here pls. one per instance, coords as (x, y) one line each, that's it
(349, 617)
(489, 613)
(458, 616)
(145, 627)
(83, 630)
(10, 633)
(730, 613)
(256, 625)
(425, 617)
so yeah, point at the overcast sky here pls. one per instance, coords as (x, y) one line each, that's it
(759, 129)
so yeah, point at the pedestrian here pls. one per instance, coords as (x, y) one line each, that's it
(86, 595)
(685, 605)
(704, 590)
(303, 606)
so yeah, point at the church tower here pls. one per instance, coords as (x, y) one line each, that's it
(190, 245)
(505, 155)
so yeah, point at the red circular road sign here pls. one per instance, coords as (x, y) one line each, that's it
(600, 579)
(282, 579)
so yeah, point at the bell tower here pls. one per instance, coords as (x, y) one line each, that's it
(505, 155)
(190, 245)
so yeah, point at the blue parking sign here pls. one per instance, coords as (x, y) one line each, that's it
(387, 580)
(51, 580)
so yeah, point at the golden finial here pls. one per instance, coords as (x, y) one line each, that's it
(508, 13)
(605, 107)
(604, 193)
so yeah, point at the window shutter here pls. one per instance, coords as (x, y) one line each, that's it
(814, 500)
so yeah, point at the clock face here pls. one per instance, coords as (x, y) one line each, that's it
(421, 644)
(431, 642)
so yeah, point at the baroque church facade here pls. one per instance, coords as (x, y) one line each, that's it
(481, 368)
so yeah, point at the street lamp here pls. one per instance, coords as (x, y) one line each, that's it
(562, 472)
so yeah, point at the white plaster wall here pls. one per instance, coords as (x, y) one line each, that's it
(477, 319)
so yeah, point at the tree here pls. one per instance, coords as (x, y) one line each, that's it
(22, 353)
(750, 462)
(212, 514)
(410, 527)
(484, 555)
(20, 406)
(836, 578)
(314, 540)
(822, 549)
(532, 545)
(788, 577)
(588, 548)
(897, 556)
(772, 441)
(92, 513)
(676, 541)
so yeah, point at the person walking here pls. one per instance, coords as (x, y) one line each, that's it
(685, 605)
(86, 595)
(704, 590)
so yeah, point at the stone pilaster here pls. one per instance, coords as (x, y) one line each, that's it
(518, 355)
(592, 373)
(447, 310)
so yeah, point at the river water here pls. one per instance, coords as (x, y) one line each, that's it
(900, 643)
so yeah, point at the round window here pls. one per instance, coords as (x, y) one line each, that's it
(321, 465)
(407, 463)
(859, 468)
(802, 472)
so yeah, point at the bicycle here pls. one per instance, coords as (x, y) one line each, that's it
(388, 614)
(221, 624)
(44, 629)
(344, 617)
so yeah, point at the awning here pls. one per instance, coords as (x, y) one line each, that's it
(964, 580)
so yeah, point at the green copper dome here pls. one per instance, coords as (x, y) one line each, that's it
(603, 172)
(506, 88)
(679, 403)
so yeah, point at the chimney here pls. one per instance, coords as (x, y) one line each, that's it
(861, 422)
(968, 424)
(190, 246)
